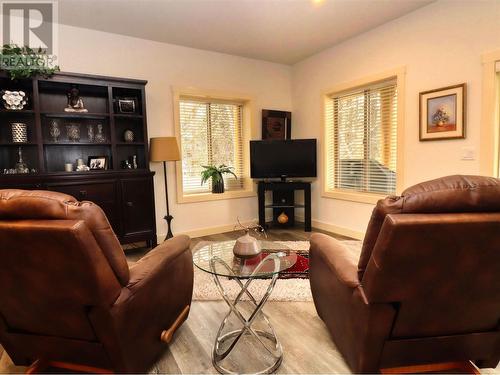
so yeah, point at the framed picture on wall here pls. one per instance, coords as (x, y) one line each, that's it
(442, 113)
(276, 124)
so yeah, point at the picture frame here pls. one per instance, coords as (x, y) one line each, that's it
(126, 105)
(98, 163)
(276, 124)
(442, 113)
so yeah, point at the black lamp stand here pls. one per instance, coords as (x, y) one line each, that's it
(167, 217)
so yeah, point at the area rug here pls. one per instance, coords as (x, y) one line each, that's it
(288, 288)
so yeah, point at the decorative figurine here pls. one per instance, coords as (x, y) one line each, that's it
(100, 137)
(14, 100)
(91, 133)
(128, 135)
(73, 132)
(81, 166)
(54, 132)
(126, 164)
(19, 132)
(133, 161)
(75, 102)
(21, 166)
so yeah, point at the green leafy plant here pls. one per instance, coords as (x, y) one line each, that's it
(25, 62)
(215, 173)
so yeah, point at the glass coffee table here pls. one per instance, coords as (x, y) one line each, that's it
(217, 258)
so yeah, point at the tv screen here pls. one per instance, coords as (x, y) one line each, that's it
(283, 158)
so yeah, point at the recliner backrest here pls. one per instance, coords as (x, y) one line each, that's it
(440, 271)
(47, 205)
(451, 194)
(51, 273)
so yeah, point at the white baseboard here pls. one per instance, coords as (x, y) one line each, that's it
(229, 227)
(338, 230)
(335, 229)
(216, 230)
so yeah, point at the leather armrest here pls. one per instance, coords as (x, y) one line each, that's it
(342, 262)
(160, 288)
(158, 266)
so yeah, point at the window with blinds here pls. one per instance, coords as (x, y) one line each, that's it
(361, 139)
(211, 134)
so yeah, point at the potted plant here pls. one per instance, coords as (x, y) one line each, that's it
(215, 173)
(25, 62)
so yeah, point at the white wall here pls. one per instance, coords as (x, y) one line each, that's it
(440, 45)
(164, 66)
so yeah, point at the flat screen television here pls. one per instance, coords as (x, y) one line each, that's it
(283, 158)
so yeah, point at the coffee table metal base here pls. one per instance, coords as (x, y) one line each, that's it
(225, 342)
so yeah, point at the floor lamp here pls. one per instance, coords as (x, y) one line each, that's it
(165, 149)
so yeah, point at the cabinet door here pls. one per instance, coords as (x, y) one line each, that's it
(137, 208)
(103, 193)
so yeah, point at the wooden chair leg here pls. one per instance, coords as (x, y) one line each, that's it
(41, 365)
(166, 335)
(466, 367)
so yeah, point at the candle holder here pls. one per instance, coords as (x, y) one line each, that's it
(19, 132)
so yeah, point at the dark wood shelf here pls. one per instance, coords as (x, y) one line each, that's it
(284, 206)
(76, 115)
(18, 144)
(76, 144)
(130, 143)
(283, 202)
(17, 112)
(127, 115)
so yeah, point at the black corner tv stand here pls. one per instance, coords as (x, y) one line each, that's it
(283, 201)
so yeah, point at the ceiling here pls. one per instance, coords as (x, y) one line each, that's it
(282, 31)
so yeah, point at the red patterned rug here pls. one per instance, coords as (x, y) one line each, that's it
(300, 270)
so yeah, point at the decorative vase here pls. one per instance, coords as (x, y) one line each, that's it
(14, 100)
(246, 246)
(218, 187)
(283, 218)
(100, 137)
(91, 133)
(54, 132)
(19, 132)
(73, 132)
(128, 135)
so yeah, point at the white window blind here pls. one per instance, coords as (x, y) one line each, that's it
(211, 133)
(361, 139)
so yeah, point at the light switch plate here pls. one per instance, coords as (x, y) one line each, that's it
(468, 153)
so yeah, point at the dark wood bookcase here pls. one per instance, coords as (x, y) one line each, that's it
(126, 195)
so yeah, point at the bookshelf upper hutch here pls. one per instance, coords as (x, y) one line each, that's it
(124, 188)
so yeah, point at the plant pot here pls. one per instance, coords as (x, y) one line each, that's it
(218, 187)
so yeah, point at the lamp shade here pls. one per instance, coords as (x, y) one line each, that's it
(164, 149)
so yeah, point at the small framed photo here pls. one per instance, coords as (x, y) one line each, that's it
(98, 163)
(442, 113)
(276, 124)
(126, 105)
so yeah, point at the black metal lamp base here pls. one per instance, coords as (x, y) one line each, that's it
(169, 218)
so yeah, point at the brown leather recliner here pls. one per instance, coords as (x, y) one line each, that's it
(427, 285)
(67, 293)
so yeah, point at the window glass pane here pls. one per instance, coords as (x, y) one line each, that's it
(361, 139)
(211, 133)
(194, 140)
